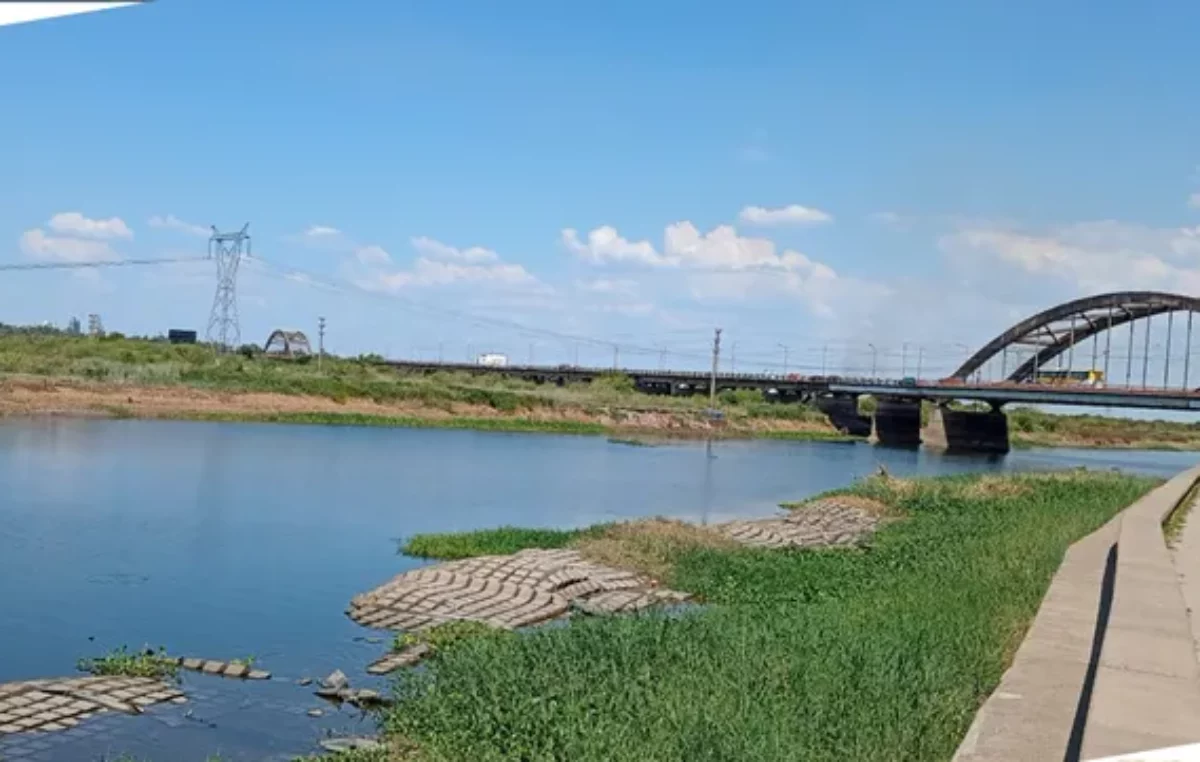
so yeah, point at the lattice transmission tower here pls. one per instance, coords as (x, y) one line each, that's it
(227, 249)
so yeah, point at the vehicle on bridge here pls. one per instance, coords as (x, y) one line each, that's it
(492, 360)
(1070, 377)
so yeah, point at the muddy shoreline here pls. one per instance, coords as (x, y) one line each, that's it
(32, 396)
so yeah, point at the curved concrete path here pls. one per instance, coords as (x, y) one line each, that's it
(1109, 666)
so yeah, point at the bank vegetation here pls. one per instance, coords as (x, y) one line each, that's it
(45, 371)
(879, 653)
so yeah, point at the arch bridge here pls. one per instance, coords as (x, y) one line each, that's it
(1053, 334)
(1099, 328)
(283, 343)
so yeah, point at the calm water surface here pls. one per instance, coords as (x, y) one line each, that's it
(229, 540)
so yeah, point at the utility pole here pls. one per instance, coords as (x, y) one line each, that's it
(733, 358)
(920, 357)
(440, 355)
(873, 358)
(616, 356)
(320, 342)
(785, 358)
(712, 383)
(824, 355)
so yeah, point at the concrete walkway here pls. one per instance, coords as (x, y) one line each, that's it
(1186, 557)
(1109, 666)
(1147, 686)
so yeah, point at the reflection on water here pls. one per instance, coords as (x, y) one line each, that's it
(228, 540)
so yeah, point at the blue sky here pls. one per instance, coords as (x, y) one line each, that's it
(925, 174)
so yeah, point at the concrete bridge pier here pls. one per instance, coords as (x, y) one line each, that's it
(843, 414)
(897, 422)
(966, 430)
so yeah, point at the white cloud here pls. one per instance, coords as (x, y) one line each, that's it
(439, 250)
(439, 265)
(723, 248)
(605, 244)
(1194, 201)
(684, 246)
(431, 272)
(373, 255)
(321, 231)
(1085, 257)
(171, 222)
(37, 244)
(722, 265)
(75, 224)
(792, 214)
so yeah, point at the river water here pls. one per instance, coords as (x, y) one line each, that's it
(232, 540)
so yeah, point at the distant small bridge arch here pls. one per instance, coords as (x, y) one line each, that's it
(1052, 332)
(283, 343)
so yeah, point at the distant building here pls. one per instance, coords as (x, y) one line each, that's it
(73, 326)
(181, 336)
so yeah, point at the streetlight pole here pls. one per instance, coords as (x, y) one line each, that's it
(320, 342)
(712, 382)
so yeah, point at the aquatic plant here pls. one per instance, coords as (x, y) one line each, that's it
(145, 662)
(448, 634)
(498, 541)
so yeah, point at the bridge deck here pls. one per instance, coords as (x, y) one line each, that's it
(796, 385)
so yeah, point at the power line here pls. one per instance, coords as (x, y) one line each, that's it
(9, 266)
(307, 277)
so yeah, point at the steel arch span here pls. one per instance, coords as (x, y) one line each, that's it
(1056, 330)
(287, 344)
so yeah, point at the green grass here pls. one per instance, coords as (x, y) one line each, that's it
(1175, 521)
(142, 663)
(876, 654)
(147, 362)
(1035, 428)
(448, 634)
(498, 541)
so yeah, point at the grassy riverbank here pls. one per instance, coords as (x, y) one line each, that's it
(154, 379)
(1032, 428)
(876, 654)
(47, 373)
